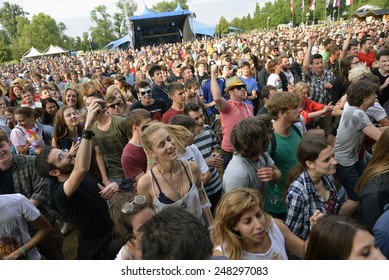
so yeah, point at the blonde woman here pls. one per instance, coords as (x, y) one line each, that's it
(244, 231)
(171, 182)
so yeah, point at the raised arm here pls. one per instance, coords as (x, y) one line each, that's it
(215, 90)
(84, 154)
(346, 42)
(307, 57)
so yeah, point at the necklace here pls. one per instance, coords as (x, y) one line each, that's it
(160, 170)
(183, 203)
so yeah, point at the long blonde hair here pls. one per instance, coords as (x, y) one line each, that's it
(379, 162)
(228, 212)
(173, 130)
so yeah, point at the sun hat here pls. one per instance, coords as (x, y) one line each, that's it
(233, 82)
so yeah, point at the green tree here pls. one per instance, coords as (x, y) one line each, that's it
(256, 16)
(126, 8)
(166, 6)
(20, 44)
(85, 42)
(77, 43)
(8, 14)
(223, 26)
(39, 33)
(42, 31)
(102, 34)
(5, 50)
(237, 23)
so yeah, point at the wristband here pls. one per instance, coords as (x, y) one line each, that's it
(24, 252)
(150, 161)
(87, 134)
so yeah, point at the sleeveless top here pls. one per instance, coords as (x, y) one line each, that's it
(191, 198)
(276, 251)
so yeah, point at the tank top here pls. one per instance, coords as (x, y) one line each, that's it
(191, 198)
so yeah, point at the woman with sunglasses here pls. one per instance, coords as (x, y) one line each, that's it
(129, 212)
(171, 182)
(116, 103)
(156, 107)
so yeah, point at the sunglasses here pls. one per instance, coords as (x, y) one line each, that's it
(129, 206)
(113, 105)
(240, 87)
(143, 92)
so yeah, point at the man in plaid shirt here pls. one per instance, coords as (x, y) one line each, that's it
(319, 79)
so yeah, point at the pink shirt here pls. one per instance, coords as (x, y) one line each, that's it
(233, 113)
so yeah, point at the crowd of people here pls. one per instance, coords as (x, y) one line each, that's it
(268, 145)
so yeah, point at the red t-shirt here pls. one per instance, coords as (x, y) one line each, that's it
(170, 113)
(368, 58)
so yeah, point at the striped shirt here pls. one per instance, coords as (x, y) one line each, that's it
(206, 142)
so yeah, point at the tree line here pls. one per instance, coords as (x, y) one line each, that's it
(18, 33)
(279, 12)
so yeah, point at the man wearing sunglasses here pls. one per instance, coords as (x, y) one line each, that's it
(231, 111)
(78, 195)
(156, 107)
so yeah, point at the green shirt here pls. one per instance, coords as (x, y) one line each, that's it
(111, 144)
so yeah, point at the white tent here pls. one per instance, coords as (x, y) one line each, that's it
(54, 50)
(33, 52)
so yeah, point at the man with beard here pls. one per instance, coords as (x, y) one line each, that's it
(366, 54)
(78, 194)
(288, 76)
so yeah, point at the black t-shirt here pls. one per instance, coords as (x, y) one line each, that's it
(6, 181)
(157, 109)
(384, 96)
(86, 210)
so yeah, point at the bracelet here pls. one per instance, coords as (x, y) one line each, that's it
(87, 134)
(150, 161)
(24, 252)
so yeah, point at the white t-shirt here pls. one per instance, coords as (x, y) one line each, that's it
(275, 81)
(15, 211)
(276, 251)
(375, 112)
(192, 153)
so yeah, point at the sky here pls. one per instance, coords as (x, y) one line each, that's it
(75, 14)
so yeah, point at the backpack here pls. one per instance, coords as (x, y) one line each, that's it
(274, 142)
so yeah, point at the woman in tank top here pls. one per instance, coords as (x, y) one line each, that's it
(171, 183)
